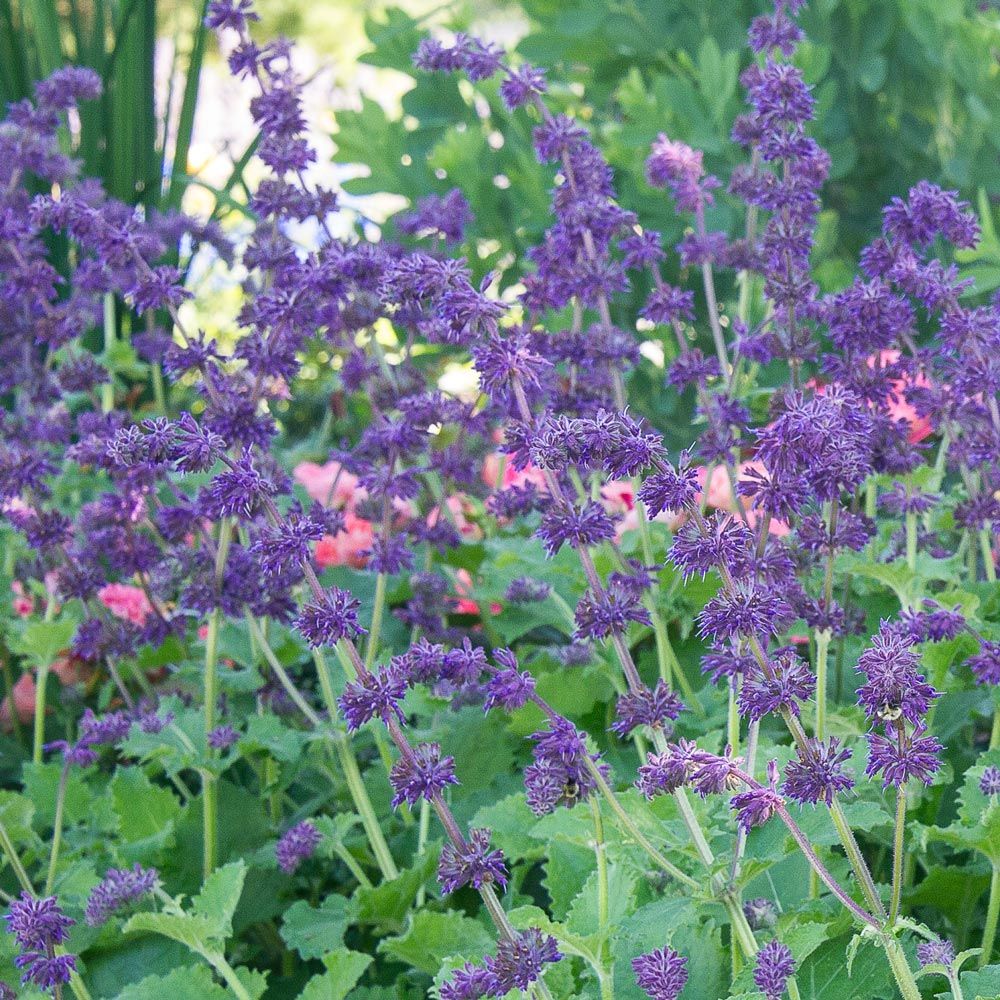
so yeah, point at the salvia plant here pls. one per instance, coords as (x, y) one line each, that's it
(476, 689)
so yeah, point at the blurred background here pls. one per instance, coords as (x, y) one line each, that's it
(906, 89)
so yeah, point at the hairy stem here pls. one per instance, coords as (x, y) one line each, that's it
(898, 853)
(992, 913)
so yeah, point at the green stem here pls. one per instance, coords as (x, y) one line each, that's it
(900, 968)
(995, 731)
(605, 973)
(898, 852)
(856, 858)
(987, 550)
(992, 913)
(823, 637)
(355, 869)
(352, 774)
(733, 719)
(423, 831)
(376, 629)
(629, 824)
(218, 962)
(41, 682)
(210, 788)
(911, 541)
(57, 828)
(8, 848)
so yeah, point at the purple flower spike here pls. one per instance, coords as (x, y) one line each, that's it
(989, 782)
(119, 888)
(477, 864)
(937, 952)
(38, 925)
(773, 967)
(661, 973)
(296, 845)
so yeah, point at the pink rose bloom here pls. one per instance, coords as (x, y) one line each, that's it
(897, 405)
(720, 494)
(23, 603)
(630, 522)
(460, 507)
(347, 547)
(329, 484)
(69, 671)
(618, 497)
(511, 476)
(126, 602)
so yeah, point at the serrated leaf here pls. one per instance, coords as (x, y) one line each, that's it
(345, 968)
(584, 918)
(432, 936)
(146, 813)
(314, 931)
(219, 897)
(387, 903)
(194, 932)
(191, 982)
(16, 814)
(43, 641)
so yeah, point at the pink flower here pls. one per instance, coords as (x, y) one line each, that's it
(720, 496)
(618, 497)
(68, 669)
(460, 508)
(896, 403)
(329, 484)
(347, 547)
(465, 605)
(126, 602)
(511, 476)
(23, 603)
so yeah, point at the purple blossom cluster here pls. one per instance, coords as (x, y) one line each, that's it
(195, 515)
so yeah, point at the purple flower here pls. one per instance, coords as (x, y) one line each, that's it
(475, 864)
(519, 962)
(985, 665)
(755, 807)
(665, 772)
(326, 622)
(749, 611)
(521, 85)
(374, 695)
(760, 913)
(238, 491)
(223, 737)
(656, 708)
(989, 782)
(421, 773)
(119, 888)
(661, 974)
(928, 212)
(787, 682)
(509, 688)
(772, 968)
(559, 774)
(817, 773)
(445, 216)
(470, 982)
(608, 613)
(905, 757)
(894, 687)
(296, 845)
(936, 952)
(565, 524)
(526, 590)
(670, 489)
(38, 925)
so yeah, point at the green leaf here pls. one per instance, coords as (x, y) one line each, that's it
(268, 732)
(431, 937)
(583, 917)
(386, 904)
(314, 931)
(146, 814)
(219, 898)
(191, 982)
(16, 814)
(194, 932)
(43, 641)
(345, 968)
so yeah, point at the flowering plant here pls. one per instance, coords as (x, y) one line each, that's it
(477, 688)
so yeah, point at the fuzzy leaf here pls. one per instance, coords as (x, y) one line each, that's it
(345, 968)
(313, 931)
